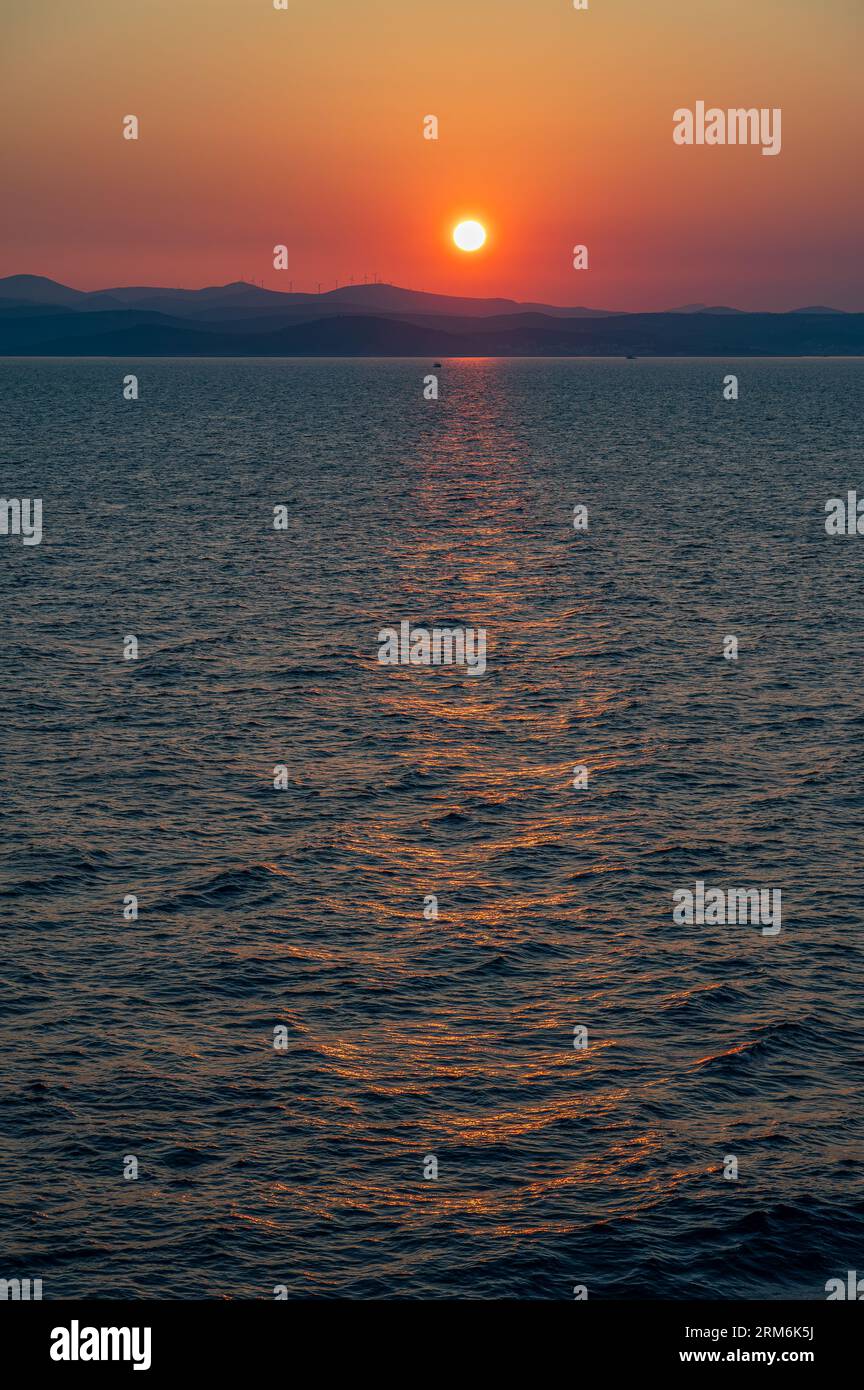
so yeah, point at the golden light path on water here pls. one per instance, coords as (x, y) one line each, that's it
(484, 744)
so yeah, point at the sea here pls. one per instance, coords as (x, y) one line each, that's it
(324, 978)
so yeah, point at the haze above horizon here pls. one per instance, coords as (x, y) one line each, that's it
(553, 128)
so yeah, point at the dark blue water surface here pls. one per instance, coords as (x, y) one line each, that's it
(303, 907)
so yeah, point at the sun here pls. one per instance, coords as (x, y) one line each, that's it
(469, 236)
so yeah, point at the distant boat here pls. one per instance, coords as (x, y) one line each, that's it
(631, 357)
(436, 364)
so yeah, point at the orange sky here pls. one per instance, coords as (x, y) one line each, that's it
(261, 127)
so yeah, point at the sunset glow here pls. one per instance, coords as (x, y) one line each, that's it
(556, 123)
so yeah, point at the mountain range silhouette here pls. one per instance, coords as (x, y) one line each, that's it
(39, 316)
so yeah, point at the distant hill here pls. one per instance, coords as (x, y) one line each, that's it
(706, 309)
(817, 309)
(36, 289)
(49, 330)
(360, 299)
(393, 299)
